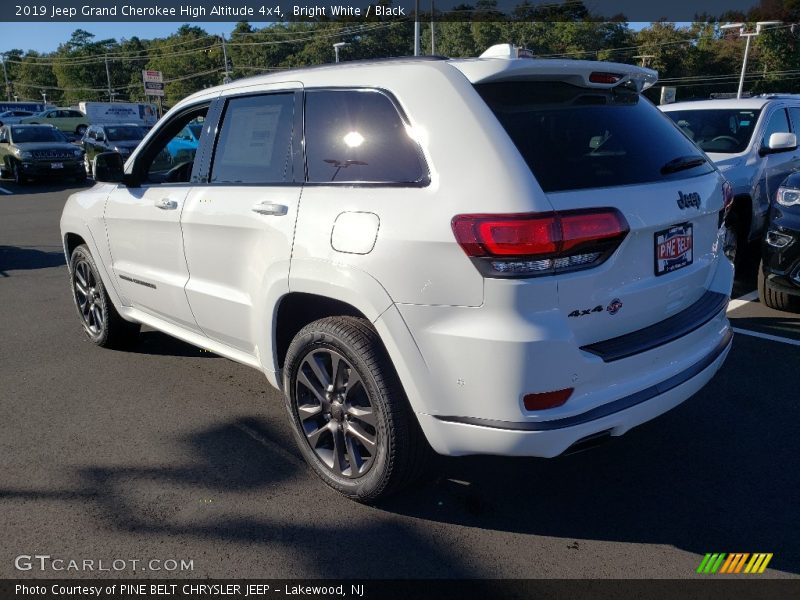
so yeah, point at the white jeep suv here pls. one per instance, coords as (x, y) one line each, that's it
(477, 256)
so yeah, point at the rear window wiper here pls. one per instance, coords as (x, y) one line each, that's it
(681, 163)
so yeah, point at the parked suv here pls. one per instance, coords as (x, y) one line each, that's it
(753, 142)
(478, 256)
(38, 151)
(779, 272)
(122, 138)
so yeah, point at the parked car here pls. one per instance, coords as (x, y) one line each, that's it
(528, 265)
(753, 141)
(779, 273)
(184, 145)
(67, 120)
(10, 117)
(122, 138)
(38, 151)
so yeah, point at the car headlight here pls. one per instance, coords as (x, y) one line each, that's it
(22, 153)
(788, 196)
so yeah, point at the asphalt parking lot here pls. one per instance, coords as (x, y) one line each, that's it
(169, 452)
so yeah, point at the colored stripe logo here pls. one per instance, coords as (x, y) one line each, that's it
(737, 562)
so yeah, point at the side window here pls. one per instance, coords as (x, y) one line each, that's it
(778, 123)
(358, 136)
(75, 113)
(255, 142)
(169, 158)
(52, 114)
(794, 113)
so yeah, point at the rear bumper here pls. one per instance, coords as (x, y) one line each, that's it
(459, 436)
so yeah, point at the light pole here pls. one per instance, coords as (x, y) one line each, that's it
(227, 78)
(338, 46)
(741, 27)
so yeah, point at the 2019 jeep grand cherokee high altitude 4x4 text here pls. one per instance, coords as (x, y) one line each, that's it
(484, 256)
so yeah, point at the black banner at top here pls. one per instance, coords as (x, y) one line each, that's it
(444, 10)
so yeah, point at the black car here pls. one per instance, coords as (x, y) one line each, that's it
(779, 273)
(38, 151)
(121, 138)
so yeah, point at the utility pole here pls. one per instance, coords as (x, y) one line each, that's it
(433, 33)
(416, 27)
(227, 78)
(108, 79)
(5, 76)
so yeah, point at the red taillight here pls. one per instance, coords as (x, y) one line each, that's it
(545, 400)
(524, 245)
(598, 77)
(727, 196)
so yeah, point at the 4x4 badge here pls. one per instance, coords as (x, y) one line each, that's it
(688, 200)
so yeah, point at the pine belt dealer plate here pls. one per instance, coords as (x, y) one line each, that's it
(673, 248)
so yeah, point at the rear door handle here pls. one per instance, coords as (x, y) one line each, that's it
(166, 204)
(270, 208)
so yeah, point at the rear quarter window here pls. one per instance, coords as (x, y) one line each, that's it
(578, 138)
(358, 136)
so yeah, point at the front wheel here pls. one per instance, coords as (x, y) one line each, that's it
(102, 323)
(17, 174)
(773, 297)
(349, 413)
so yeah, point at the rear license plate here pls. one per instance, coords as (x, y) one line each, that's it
(56, 165)
(673, 248)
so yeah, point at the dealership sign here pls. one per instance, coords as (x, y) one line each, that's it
(153, 83)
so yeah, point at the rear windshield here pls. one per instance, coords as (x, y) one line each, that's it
(714, 130)
(577, 138)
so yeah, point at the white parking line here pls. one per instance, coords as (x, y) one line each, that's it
(742, 300)
(766, 336)
(5, 191)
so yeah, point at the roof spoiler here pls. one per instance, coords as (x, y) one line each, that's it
(584, 73)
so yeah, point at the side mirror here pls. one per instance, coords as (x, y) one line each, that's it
(780, 142)
(108, 167)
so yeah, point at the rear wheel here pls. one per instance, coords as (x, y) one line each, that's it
(773, 297)
(101, 321)
(349, 413)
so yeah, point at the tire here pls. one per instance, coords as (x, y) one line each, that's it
(16, 173)
(365, 420)
(101, 322)
(80, 130)
(773, 297)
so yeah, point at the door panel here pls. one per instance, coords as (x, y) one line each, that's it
(144, 234)
(238, 229)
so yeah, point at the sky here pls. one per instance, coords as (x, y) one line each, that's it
(45, 37)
